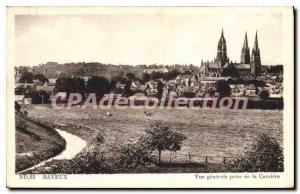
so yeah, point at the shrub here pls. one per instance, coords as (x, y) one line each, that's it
(265, 155)
(93, 162)
(135, 155)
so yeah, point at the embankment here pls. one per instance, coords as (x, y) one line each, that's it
(35, 142)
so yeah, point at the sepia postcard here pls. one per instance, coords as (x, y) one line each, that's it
(150, 97)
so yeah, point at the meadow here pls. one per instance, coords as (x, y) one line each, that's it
(211, 132)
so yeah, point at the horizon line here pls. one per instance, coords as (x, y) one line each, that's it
(133, 65)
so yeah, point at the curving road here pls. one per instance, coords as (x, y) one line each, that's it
(74, 145)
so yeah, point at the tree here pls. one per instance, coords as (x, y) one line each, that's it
(80, 72)
(26, 77)
(264, 95)
(257, 83)
(277, 69)
(64, 75)
(20, 90)
(222, 87)
(98, 85)
(160, 87)
(120, 78)
(265, 155)
(146, 77)
(162, 137)
(17, 106)
(189, 82)
(131, 76)
(35, 97)
(41, 78)
(127, 89)
(70, 85)
(230, 71)
(40, 97)
(44, 96)
(157, 75)
(78, 85)
(171, 74)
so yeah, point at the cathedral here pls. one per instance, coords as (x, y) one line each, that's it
(248, 66)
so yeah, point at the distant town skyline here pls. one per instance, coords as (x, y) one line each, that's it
(155, 37)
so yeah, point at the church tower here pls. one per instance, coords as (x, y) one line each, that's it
(245, 56)
(222, 52)
(255, 59)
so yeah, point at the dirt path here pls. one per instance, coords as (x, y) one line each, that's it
(74, 145)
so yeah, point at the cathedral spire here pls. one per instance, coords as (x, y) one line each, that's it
(255, 58)
(222, 38)
(222, 51)
(245, 56)
(256, 43)
(245, 41)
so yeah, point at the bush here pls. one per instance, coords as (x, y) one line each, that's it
(265, 155)
(92, 163)
(135, 155)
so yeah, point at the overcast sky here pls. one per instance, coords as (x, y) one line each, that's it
(154, 37)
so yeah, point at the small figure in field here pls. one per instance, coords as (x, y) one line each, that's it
(108, 114)
(147, 113)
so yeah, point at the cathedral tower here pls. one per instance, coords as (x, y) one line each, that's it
(222, 52)
(255, 59)
(245, 56)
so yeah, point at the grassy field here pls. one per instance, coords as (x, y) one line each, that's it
(210, 132)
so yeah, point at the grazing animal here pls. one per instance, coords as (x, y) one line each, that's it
(147, 113)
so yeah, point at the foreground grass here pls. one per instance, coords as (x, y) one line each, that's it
(107, 167)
